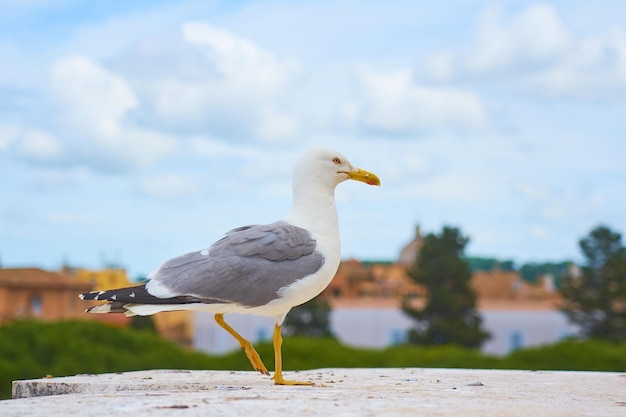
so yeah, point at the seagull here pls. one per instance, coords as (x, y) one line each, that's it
(261, 269)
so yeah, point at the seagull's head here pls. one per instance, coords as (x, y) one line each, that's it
(329, 167)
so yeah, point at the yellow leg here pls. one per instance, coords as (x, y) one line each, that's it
(278, 372)
(252, 354)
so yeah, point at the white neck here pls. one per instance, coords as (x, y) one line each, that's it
(314, 209)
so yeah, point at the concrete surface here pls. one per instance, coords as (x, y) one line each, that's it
(338, 392)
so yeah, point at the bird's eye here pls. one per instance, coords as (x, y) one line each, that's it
(337, 161)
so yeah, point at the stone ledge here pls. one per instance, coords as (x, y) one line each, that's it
(338, 392)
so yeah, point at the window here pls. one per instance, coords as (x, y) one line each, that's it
(36, 305)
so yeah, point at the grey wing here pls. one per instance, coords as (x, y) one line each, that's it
(248, 266)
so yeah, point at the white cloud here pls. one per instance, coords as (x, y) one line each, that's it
(226, 85)
(532, 192)
(95, 110)
(408, 166)
(534, 37)
(179, 102)
(140, 146)
(239, 62)
(597, 201)
(196, 99)
(8, 134)
(96, 99)
(535, 51)
(457, 186)
(539, 232)
(442, 66)
(258, 161)
(555, 211)
(38, 145)
(393, 102)
(168, 186)
(214, 148)
(275, 125)
(595, 67)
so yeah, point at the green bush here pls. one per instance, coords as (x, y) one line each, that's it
(571, 355)
(30, 349)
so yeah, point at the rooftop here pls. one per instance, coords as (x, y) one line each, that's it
(39, 278)
(337, 392)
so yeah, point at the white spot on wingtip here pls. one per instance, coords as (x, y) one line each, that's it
(158, 290)
(204, 252)
(81, 296)
(132, 294)
(114, 297)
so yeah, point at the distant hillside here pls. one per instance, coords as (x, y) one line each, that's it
(528, 271)
(489, 264)
(558, 270)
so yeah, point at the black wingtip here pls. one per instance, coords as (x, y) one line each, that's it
(136, 295)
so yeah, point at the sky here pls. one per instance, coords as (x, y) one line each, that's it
(132, 132)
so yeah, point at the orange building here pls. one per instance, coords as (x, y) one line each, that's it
(101, 279)
(33, 293)
(371, 284)
(386, 284)
(44, 295)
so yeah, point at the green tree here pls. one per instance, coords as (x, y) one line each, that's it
(559, 270)
(489, 264)
(309, 319)
(595, 299)
(450, 315)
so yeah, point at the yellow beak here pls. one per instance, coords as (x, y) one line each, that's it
(364, 176)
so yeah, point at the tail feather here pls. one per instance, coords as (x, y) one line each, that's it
(119, 299)
(111, 307)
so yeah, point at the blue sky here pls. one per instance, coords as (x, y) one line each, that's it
(135, 131)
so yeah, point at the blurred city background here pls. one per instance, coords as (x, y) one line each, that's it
(132, 132)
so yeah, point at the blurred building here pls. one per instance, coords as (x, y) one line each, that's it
(34, 293)
(367, 297)
(409, 252)
(366, 300)
(176, 326)
(38, 294)
(101, 279)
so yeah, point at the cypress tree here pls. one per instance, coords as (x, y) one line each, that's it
(449, 315)
(595, 300)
